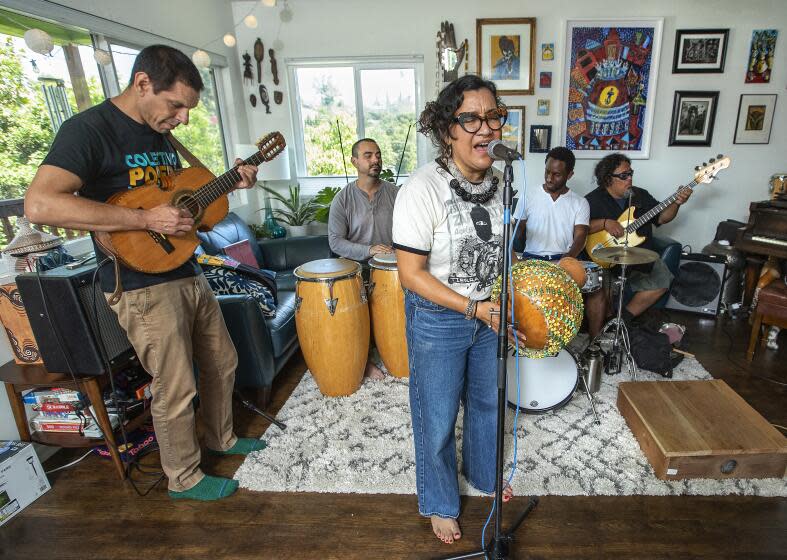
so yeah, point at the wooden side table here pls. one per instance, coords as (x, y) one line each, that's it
(19, 378)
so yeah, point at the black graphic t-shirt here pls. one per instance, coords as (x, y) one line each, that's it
(463, 240)
(602, 205)
(111, 152)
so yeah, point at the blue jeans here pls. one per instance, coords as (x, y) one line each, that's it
(451, 360)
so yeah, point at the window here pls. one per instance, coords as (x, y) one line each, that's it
(338, 103)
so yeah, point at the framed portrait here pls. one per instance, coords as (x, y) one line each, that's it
(609, 86)
(543, 107)
(699, 51)
(505, 51)
(547, 51)
(540, 138)
(545, 80)
(514, 129)
(693, 116)
(755, 117)
(761, 56)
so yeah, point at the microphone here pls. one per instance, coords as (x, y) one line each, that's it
(499, 151)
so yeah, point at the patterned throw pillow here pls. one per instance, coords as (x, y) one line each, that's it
(228, 282)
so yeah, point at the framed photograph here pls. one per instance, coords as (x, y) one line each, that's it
(693, 115)
(545, 80)
(699, 51)
(609, 86)
(761, 56)
(540, 138)
(547, 51)
(755, 117)
(514, 129)
(505, 51)
(543, 107)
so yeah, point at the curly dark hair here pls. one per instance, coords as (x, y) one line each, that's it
(606, 167)
(437, 117)
(563, 154)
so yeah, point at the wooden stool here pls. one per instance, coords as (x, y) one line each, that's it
(771, 310)
(19, 378)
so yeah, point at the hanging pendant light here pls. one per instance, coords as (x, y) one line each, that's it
(39, 41)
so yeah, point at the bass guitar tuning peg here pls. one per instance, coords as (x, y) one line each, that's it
(719, 156)
(704, 164)
(711, 160)
(696, 168)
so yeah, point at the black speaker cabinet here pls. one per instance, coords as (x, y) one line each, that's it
(699, 284)
(68, 309)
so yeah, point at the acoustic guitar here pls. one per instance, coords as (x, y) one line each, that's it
(195, 189)
(703, 174)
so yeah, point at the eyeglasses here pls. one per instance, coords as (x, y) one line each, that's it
(623, 176)
(471, 122)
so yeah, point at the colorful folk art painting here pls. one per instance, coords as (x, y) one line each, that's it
(761, 54)
(611, 82)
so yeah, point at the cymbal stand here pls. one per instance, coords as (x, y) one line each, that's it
(620, 344)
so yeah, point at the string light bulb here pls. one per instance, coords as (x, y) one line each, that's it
(229, 40)
(269, 3)
(102, 57)
(278, 46)
(39, 41)
(286, 13)
(250, 21)
(201, 59)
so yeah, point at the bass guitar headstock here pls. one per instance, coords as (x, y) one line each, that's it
(271, 145)
(707, 172)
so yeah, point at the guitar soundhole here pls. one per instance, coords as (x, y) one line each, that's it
(190, 204)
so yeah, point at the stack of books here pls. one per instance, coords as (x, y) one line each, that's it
(64, 411)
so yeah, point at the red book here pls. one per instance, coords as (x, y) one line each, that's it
(57, 427)
(57, 407)
(241, 251)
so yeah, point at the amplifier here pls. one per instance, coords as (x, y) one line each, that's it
(699, 284)
(67, 314)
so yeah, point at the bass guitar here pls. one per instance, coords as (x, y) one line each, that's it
(195, 189)
(703, 174)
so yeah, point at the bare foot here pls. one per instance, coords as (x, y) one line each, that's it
(447, 530)
(373, 372)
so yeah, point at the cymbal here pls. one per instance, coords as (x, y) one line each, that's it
(625, 255)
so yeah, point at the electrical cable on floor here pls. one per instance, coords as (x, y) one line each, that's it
(71, 464)
(779, 426)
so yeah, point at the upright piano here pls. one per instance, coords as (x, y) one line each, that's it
(765, 236)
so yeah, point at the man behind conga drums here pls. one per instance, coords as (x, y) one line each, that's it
(361, 216)
(556, 223)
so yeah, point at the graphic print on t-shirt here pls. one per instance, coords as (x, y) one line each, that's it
(476, 250)
(147, 167)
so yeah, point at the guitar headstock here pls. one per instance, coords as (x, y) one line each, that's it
(707, 171)
(271, 145)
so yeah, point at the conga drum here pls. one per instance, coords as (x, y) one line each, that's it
(332, 320)
(386, 308)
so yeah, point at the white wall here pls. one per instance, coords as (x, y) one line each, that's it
(364, 28)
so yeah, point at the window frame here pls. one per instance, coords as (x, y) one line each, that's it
(311, 184)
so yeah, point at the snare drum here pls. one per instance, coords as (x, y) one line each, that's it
(386, 309)
(332, 320)
(593, 277)
(544, 383)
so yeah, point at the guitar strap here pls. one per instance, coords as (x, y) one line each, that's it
(104, 240)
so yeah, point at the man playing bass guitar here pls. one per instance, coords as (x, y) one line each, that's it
(172, 319)
(614, 177)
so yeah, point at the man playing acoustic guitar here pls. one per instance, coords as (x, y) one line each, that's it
(607, 202)
(172, 319)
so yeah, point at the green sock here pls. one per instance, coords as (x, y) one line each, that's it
(243, 446)
(208, 489)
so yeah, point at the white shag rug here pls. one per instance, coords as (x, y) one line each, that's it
(363, 444)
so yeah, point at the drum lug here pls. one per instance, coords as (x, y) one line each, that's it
(366, 293)
(331, 305)
(298, 300)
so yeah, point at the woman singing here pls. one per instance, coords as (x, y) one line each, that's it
(447, 233)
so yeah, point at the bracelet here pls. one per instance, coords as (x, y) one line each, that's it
(470, 310)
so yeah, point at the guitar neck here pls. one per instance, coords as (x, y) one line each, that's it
(221, 185)
(656, 210)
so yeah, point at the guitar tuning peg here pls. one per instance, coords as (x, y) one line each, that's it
(719, 156)
(711, 160)
(697, 168)
(704, 164)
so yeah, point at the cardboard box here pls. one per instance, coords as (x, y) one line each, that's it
(22, 479)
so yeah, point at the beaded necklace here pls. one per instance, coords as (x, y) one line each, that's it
(485, 190)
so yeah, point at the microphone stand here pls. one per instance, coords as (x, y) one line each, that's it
(497, 549)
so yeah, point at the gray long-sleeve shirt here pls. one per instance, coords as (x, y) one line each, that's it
(356, 223)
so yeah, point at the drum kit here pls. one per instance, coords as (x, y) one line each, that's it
(337, 315)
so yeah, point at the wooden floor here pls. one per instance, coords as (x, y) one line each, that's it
(90, 514)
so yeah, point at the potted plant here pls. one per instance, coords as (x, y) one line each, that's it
(295, 212)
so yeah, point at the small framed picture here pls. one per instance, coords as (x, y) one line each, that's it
(545, 80)
(505, 53)
(514, 129)
(543, 107)
(755, 117)
(540, 138)
(693, 116)
(547, 51)
(699, 51)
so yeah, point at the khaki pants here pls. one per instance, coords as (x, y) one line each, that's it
(171, 326)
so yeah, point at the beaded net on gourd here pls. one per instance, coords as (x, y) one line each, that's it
(554, 295)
